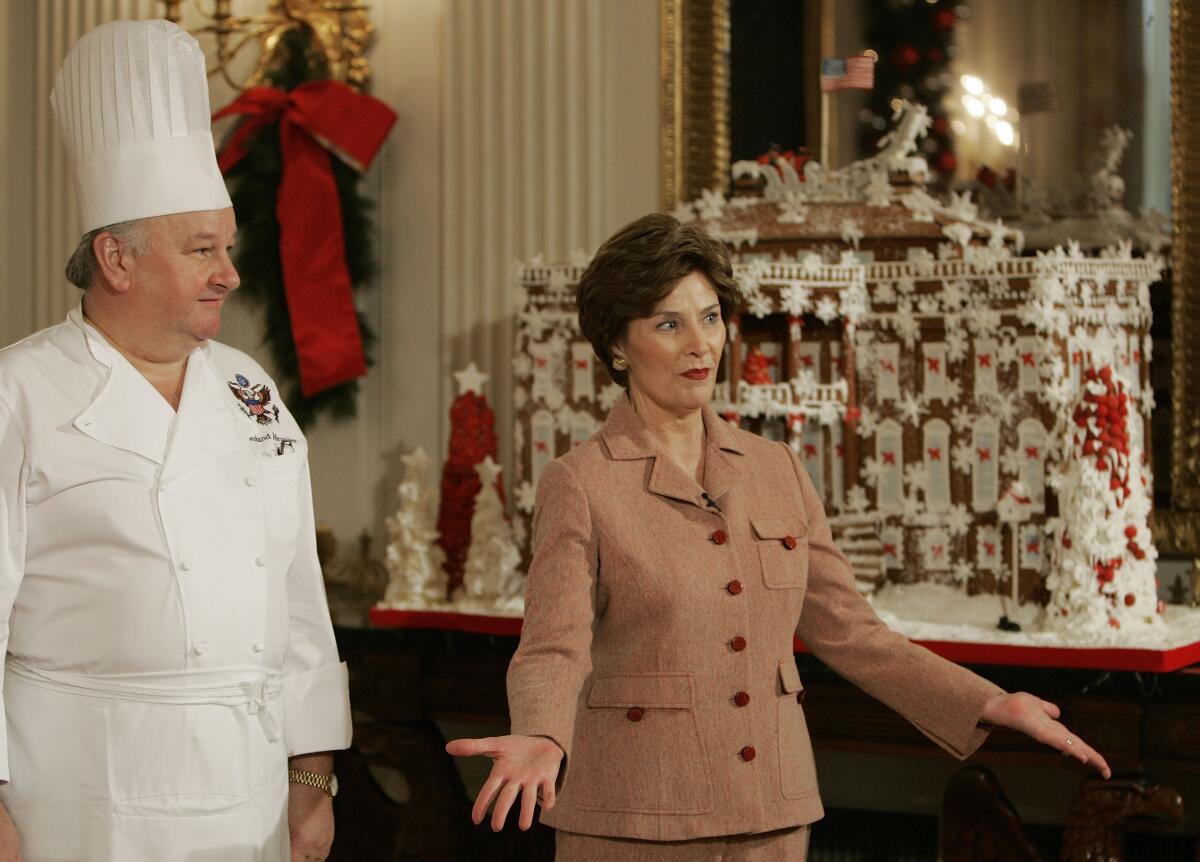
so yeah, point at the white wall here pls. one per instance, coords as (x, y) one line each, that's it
(525, 126)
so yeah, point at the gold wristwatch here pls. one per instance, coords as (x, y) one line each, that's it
(328, 783)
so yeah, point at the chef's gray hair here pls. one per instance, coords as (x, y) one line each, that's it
(83, 268)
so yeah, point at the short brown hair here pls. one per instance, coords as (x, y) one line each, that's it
(636, 268)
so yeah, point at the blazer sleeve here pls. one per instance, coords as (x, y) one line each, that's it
(14, 474)
(547, 672)
(941, 699)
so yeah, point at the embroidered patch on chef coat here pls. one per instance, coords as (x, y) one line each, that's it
(255, 400)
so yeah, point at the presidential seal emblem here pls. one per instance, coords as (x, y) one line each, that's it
(255, 400)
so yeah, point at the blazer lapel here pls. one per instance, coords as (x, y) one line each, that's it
(127, 413)
(627, 439)
(208, 423)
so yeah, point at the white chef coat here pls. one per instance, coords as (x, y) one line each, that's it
(168, 639)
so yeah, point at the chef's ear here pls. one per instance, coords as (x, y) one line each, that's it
(114, 257)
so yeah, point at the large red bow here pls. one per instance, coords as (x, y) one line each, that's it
(314, 119)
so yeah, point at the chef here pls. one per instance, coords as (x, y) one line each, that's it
(172, 689)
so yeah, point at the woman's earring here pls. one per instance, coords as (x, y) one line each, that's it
(620, 364)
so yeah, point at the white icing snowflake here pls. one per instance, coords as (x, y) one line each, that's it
(929, 305)
(907, 326)
(684, 212)
(958, 520)
(962, 456)
(827, 309)
(885, 293)
(520, 397)
(536, 322)
(916, 478)
(911, 408)
(831, 412)
(609, 395)
(953, 390)
(947, 251)
(856, 499)
(1010, 462)
(553, 397)
(796, 299)
(1005, 407)
(854, 302)
(526, 495)
(905, 286)
(711, 204)
(871, 471)
(1146, 401)
(963, 419)
(878, 190)
(563, 418)
(760, 305)
(963, 572)
(812, 263)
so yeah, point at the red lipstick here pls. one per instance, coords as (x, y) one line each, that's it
(696, 374)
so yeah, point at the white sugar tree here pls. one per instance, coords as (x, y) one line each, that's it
(413, 558)
(492, 579)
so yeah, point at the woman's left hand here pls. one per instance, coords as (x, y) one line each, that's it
(1039, 719)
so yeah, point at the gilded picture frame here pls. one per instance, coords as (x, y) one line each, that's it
(695, 154)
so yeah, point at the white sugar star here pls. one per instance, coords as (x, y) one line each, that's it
(488, 470)
(470, 379)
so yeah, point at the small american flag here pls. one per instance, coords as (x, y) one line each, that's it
(856, 73)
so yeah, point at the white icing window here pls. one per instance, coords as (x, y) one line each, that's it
(1031, 438)
(583, 426)
(837, 463)
(933, 370)
(985, 458)
(583, 380)
(887, 371)
(935, 550)
(988, 551)
(984, 368)
(541, 451)
(1032, 551)
(812, 453)
(936, 452)
(1029, 380)
(892, 539)
(544, 361)
(889, 453)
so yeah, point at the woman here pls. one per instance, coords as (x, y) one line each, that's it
(656, 706)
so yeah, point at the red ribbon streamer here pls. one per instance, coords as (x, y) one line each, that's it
(314, 119)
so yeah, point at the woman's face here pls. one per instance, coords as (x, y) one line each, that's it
(673, 353)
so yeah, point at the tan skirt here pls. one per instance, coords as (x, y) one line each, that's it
(784, 845)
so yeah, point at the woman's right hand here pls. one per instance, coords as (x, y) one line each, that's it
(519, 763)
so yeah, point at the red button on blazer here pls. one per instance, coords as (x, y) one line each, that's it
(789, 542)
(738, 643)
(635, 713)
(741, 698)
(719, 537)
(748, 753)
(734, 587)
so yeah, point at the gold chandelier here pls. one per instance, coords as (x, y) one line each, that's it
(339, 28)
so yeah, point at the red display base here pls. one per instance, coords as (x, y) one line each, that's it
(961, 652)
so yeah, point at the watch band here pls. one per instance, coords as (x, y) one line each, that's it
(327, 783)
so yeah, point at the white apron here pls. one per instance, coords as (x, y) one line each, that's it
(153, 766)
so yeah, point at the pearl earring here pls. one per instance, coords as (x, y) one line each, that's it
(620, 364)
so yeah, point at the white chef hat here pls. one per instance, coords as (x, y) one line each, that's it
(132, 101)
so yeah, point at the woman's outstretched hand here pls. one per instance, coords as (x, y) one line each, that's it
(1039, 719)
(519, 763)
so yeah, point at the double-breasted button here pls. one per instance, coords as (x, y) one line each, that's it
(748, 753)
(185, 566)
(738, 643)
(718, 537)
(741, 698)
(258, 646)
(635, 713)
(734, 587)
(200, 648)
(260, 561)
(789, 542)
(250, 481)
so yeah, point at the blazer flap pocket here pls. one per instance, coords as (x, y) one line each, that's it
(660, 690)
(789, 676)
(778, 528)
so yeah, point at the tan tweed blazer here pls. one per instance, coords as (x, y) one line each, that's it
(657, 648)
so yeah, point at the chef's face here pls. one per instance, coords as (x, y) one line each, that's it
(673, 353)
(177, 288)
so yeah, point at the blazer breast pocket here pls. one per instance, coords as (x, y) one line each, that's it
(638, 749)
(782, 551)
